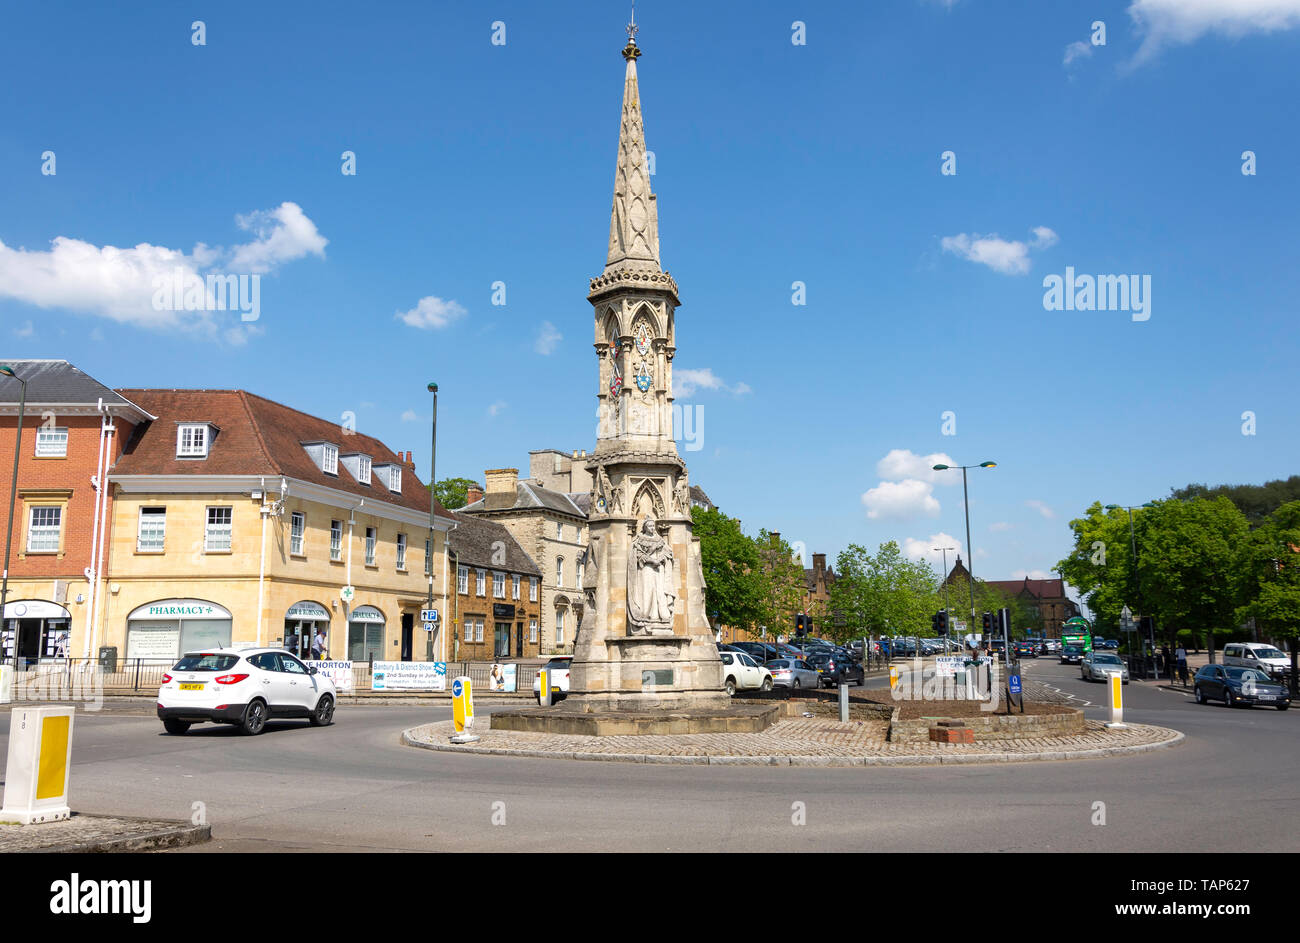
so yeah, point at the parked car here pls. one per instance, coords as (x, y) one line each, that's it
(557, 669)
(794, 673)
(1239, 686)
(1096, 666)
(759, 651)
(245, 687)
(1053, 645)
(836, 669)
(1071, 655)
(742, 673)
(1026, 649)
(1105, 644)
(1258, 655)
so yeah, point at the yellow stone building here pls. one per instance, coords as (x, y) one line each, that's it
(238, 520)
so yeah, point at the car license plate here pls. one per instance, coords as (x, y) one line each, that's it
(1268, 697)
(192, 687)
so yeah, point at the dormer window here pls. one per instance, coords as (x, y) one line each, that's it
(325, 455)
(395, 479)
(192, 440)
(358, 466)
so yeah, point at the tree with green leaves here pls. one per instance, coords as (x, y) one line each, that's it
(1101, 565)
(782, 583)
(1272, 564)
(1191, 571)
(734, 586)
(885, 593)
(451, 492)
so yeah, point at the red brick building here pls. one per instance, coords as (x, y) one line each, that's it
(74, 429)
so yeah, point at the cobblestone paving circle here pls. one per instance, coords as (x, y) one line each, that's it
(797, 742)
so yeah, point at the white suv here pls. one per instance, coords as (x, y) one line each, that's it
(558, 670)
(740, 672)
(1272, 661)
(245, 687)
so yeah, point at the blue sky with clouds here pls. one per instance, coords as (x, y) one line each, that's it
(775, 163)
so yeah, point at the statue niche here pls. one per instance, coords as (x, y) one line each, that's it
(651, 582)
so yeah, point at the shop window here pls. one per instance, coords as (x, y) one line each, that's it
(43, 529)
(51, 442)
(217, 539)
(152, 530)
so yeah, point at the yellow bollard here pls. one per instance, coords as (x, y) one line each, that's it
(40, 760)
(893, 677)
(462, 710)
(1116, 700)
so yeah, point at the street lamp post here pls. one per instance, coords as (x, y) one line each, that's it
(8, 371)
(1132, 543)
(965, 497)
(433, 505)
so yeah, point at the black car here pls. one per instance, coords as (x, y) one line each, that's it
(761, 652)
(836, 669)
(1071, 655)
(1027, 649)
(1239, 686)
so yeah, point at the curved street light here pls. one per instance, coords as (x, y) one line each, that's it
(970, 570)
(8, 371)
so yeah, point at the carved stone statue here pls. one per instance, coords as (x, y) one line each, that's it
(682, 496)
(651, 583)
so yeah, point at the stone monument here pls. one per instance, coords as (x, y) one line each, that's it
(644, 642)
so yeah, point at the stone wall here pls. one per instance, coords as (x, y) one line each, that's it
(994, 727)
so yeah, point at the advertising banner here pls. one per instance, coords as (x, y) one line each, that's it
(503, 678)
(408, 676)
(340, 672)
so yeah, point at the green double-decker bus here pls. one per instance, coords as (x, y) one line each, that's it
(1077, 632)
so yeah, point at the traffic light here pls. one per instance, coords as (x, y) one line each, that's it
(943, 622)
(802, 624)
(934, 623)
(988, 623)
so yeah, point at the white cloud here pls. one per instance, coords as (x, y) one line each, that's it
(547, 338)
(496, 407)
(1041, 508)
(1179, 22)
(1010, 257)
(999, 526)
(25, 331)
(686, 382)
(901, 499)
(410, 416)
(918, 549)
(284, 234)
(1032, 574)
(904, 463)
(120, 284)
(1079, 50)
(431, 312)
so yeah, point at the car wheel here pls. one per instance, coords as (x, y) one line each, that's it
(796, 684)
(176, 727)
(731, 687)
(767, 684)
(1283, 707)
(254, 719)
(323, 715)
(1200, 695)
(1229, 699)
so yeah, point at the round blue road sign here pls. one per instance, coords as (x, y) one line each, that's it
(456, 688)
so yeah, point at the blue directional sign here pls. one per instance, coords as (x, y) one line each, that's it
(456, 688)
(1014, 682)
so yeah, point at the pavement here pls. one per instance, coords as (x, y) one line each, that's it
(101, 833)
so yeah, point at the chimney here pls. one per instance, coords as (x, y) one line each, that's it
(501, 480)
(819, 566)
(473, 493)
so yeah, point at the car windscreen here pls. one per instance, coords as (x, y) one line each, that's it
(559, 664)
(206, 662)
(818, 659)
(1268, 653)
(1246, 674)
(1106, 660)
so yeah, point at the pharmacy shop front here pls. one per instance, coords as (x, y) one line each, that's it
(164, 629)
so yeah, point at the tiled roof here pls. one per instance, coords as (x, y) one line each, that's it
(256, 436)
(528, 495)
(1041, 589)
(51, 382)
(474, 541)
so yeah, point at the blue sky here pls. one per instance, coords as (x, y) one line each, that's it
(775, 163)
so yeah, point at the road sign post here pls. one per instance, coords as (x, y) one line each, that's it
(1116, 682)
(462, 710)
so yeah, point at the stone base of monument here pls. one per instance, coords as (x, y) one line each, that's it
(589, 720)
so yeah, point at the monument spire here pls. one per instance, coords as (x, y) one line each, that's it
(634, 220)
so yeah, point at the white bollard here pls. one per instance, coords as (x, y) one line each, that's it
(6, 684)
(544, 687)
(39, 763)
(1116, 700)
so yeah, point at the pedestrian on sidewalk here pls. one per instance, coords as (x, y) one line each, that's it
(1180, 656)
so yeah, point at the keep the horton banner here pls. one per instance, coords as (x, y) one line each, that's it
(408, 676)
